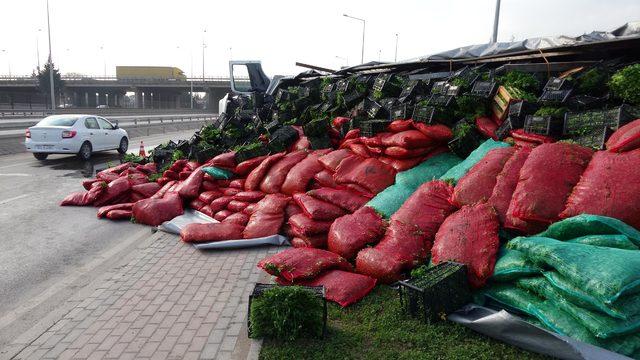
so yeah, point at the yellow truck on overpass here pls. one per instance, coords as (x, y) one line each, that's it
(149, 72)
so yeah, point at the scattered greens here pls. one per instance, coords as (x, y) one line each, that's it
(554, 112)
(625, 84)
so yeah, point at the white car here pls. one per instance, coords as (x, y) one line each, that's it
(75, 134)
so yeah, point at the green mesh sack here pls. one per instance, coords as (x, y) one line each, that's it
(458, 171)
(511, 298)
(512, 264)
(217, 173)
(585, 224)
(605, 273)
(427, 170)
(600, 325)
(390, 199)
(624, 308)
(612, 241)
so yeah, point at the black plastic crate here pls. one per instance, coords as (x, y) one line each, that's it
(423, 113)
(403, 112)
(441, 291)
(555, 96)
(282, 138)
(243, 155)
(328, 88)
(464, 144)
(203, 155)
(381, 81)
(283, 95)
(453, 90)
(370, 128)
(484, 89)
(596, 139)
(440, 100)
(320, 142)
(543, 125)
(518, 110)
(342, 85)
(556, 83)
(411, 90)
(583, 123)
(272, 126)
(260, 288)
(439, 88)
(352, 98)
(317, 127)
(374, 109)
(387, 103)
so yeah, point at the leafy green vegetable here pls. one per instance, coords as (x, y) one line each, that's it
(155, 177)
(420, 271)
(471, 107)
(132, 158)
(555, 112)
(519, 80)
(593, 82)
(625, 84)
(461, 130)
(377, 94)
(286, 313)
(177, 155)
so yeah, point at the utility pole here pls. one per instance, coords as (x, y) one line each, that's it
(104, 62)
(38, 48)
(204, 45)
(53, 96)
(364, 25)
(395, 57)
(494, 37)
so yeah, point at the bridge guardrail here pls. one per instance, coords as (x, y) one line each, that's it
(18, 113)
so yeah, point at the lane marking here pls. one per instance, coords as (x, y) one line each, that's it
(2, 202)
(17, 174)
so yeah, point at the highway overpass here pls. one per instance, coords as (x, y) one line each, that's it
(89, 92)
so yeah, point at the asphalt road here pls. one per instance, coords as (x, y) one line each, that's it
(42, 242)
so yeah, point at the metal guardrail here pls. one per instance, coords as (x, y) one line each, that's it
(18, 113)
(147, 121)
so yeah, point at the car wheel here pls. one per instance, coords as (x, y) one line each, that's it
(40, 156)
(124, 145)
(85, 151)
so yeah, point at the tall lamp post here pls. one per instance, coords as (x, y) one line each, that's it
(494, 37)
(104, 62)
(38, 48)
(364, 25)
(53, 96)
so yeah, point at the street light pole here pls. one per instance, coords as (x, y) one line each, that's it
(104, 62)
(38, 48)
(494, 37)
(364, 25)
(395, 57)
(53, 96)
(203, 47)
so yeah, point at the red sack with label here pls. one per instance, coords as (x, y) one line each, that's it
(546, 180)
(156, 211)
(198, 233)
(268, 217)
(344, 198)
(626, 138)
(478, 183)
(245, 167)
(301, 174)
(256, 175)
(469, 236)
(317, 209)
(302, 263)
(351, 233)
(609, 187)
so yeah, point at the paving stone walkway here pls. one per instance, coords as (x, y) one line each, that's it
(171, 301)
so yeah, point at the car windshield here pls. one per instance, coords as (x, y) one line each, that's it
(58, 121)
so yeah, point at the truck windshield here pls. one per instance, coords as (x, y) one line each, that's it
(58, 121)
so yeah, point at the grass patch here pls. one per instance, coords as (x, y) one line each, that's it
(375, 328)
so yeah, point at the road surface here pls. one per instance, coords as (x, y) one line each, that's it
(43, 242)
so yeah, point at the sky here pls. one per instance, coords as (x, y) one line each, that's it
(92, 37)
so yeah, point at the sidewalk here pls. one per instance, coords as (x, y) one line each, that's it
(170, 301)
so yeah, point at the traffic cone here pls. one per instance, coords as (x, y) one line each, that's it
(142, 153)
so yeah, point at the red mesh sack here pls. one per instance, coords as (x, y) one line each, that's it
(331, 160)
(250, 209)
(84, 198)
(170, 174)
(225, 161)
(506, 182)
(302, 263)
(237, 184)
(183, 175)
(208, 196)
(236, 206)
(119, 214)
(427, 207)
(301, 175)
(397, 126)
(546, 180)
(116, 189)
(307, 226)
(102, 212)
(401, 164)
(192, 165)
(86, 184)
(352, 134)
(292, 209)
(256, 175)
(403, 153)
(439, 133)
(272, 182)
(191, 186)
(477, 184)
(156, 211)
(197, 204)
(358, 149)
(626, 138)
(163, 190)
(317, 209)
(408, 139)
(220, 203)
(302, 143)
(268, 217)
(245, 167)
(230, 191)
(149, 168)
(351, 233)
(146, 190)
(469, 236)
(610, 187)
(178, 165)
(318, 241)
(406, 242)
(523, 138)
(249, 196)
(239, 218)
(342, 287)
(379, 265)
(325, 178)
(116, 169)
(344, 198)
(207, 211)
(222, 214)
(209, 186)
(487, 127)
(371, 174)
(197, 233)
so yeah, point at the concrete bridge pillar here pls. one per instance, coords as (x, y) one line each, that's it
(137, 99)
(85, 101)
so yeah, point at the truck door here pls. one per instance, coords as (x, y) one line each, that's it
(247, 77)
